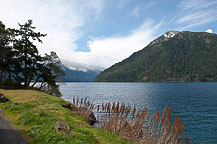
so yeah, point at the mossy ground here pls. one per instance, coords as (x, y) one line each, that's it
(36, 114)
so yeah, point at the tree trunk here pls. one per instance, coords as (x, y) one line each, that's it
(42, 84)
(29, 82)
(25, 66)
(1, 76)
(35, 81)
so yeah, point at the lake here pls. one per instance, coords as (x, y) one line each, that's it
(195, 103)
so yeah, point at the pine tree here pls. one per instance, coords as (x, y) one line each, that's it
(6, 55)
(28, 56)
(21, 63)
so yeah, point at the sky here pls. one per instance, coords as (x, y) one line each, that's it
(104, 32)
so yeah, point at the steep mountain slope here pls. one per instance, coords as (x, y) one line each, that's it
(174, 56)
(79, 73)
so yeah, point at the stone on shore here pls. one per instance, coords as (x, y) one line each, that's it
(69, 106)
(3, 98)
(89, 116)
(62, 128)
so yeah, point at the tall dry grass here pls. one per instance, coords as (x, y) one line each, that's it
(77, 102)
(137, 125)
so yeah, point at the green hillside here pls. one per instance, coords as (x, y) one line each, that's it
(174, 56)
(35, 114)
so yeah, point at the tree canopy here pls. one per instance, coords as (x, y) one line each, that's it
(20, 62)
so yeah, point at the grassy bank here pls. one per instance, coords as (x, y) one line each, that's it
(36, 114)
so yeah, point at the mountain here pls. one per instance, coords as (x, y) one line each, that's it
(82, 67)
(75, 72)
(174, 56)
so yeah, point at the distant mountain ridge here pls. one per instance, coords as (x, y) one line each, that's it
(174, 56)
(75, 72)
(82, 67)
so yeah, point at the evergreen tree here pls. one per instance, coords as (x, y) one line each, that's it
(6, 53)
(48, 72)
(21, 63)
(28, 56)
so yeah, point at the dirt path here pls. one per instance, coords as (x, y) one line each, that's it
(7, 134)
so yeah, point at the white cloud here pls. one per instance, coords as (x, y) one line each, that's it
(196, 12)
(197, 4)
(48, 17)
(107, 51)
(136, 11)
(209, 31)
(60, 19)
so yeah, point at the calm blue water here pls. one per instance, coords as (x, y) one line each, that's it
(195, 103)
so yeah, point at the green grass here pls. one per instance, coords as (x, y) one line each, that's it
(36, 115)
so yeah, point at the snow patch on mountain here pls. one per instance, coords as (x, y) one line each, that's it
(166, 36)
(77, 68)
(82, 67)
(170, 34)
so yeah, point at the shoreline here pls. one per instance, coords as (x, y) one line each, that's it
(36, 115)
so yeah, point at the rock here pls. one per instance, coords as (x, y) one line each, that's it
(89, 117)
(3, 98)
(62, 127)
(65, 105)
(69, 106)
(79, 110)
(14, 104)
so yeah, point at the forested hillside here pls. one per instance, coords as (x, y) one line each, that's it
(174, 56)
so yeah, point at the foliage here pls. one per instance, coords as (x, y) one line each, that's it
(27, 53)
(188, 56)
(6, 54)
(21, 62)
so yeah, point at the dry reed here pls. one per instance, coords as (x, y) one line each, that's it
(138, 126)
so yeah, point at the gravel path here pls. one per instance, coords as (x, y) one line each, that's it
(7, 134)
